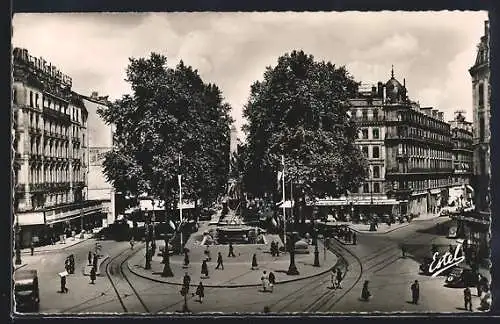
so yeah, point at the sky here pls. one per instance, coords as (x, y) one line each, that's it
(432, 51)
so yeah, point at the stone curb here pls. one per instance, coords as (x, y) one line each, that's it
(56, 250)
(233, 286)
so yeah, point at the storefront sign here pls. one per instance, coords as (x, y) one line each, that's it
(35, 218)
(97, 155)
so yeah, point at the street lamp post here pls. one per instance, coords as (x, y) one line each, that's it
(316, 250)
(167, 271)
(147, 266)
(81, 225)
(292, 269)
(18, 242)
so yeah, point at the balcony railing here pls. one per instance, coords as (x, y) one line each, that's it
(35, 130)
(78, 184)
(57, 115)
(34, 187)
(368, 119)
(419, 170)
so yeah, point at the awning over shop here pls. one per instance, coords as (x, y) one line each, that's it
(31, 218)
(435, 191)
(340, 202)
(469, 188)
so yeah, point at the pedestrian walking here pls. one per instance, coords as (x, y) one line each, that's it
(94, 263)
(92, 275)
(63, 285)
(451, 249)
(272, 279)
(483, 285)
(467, 299)
(354, 238)
(71, 264)
(32, 248)
(231, 250)
(415, 292)
(333, 276)
(273, 249)
(89, 257)
(339, 279)
(204, 268)
(219, 261)
(365, 293)
(186, 281)
(186, 258)
(208, 257)
(200, 292)
(132, 243)
(67, 265)
(255, 266)
(403, 250)
(265, 281)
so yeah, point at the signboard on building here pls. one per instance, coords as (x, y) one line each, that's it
(97, 155)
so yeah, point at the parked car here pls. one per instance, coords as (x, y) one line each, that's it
(461, 277)
(26, 290)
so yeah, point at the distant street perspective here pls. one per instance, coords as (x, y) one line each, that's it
(321, 194)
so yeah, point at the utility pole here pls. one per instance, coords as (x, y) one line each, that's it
(180, 201)
(284, 197)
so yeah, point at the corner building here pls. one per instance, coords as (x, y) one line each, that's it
(481, 93)
(49, 135)
(409, 154)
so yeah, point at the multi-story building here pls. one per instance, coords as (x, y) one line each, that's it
(481, 92)
(49, 125)
(408, 149)
(100, 141)
(462, 153)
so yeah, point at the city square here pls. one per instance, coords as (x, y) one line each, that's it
(316, 191)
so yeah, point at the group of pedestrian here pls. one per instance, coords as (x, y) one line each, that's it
(268, 281)
(200, 289)
(93, 258)
(336, 278)
(347, 235)
(275, 251)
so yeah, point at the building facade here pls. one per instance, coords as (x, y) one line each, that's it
(409, 154)
(462, 152)
(100, 141)
(49, 127)
(481, 92)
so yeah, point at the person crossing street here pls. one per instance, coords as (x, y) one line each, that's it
(467, 299)
(200, 292)
(339, 279)
(219, 262)
(92, 275)
(415, 292)
(231, 251)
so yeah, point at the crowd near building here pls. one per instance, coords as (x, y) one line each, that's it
(50, 141)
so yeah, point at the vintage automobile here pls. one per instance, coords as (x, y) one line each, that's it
(461, 277)
(26, 290)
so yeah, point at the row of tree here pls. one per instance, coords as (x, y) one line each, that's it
(299, 110)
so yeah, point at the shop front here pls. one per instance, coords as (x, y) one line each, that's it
(47, 226)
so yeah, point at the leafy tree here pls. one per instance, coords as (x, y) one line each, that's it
(171, 113)
(300, 110)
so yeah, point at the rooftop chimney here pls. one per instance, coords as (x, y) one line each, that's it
(95, 94)
(434, 113)
(440, 115)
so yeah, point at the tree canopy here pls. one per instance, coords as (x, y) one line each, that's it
(171, 113)
(300, 110)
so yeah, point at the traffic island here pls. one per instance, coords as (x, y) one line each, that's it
(238, 270)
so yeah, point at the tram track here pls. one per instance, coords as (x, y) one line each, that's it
(121, 284)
